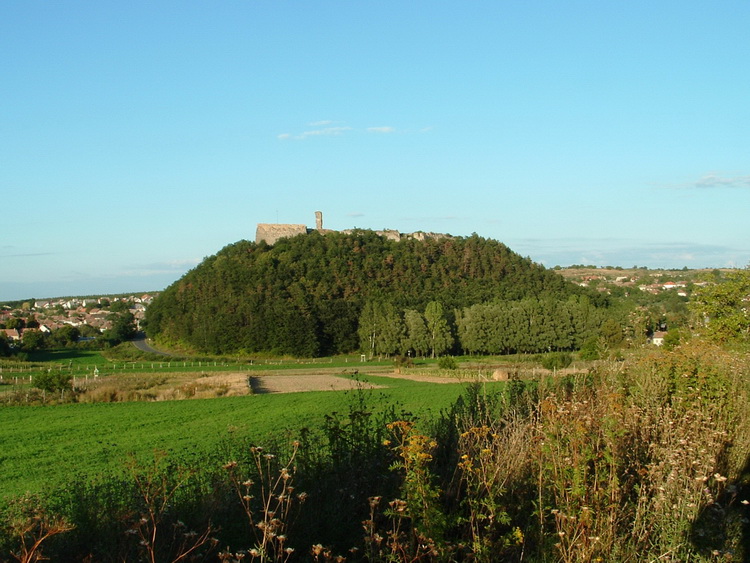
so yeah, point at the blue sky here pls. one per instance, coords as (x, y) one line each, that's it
(138, 138)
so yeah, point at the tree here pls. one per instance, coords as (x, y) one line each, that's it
(119, 306)
(611, 332)
(417, 338)
(64, 336)
(391, 331)
(368, 328)
(4, 346)
(15, 322)
(123, 327)
(724, 308)
(33, 340)
(54, 381)
(438, 332)
(380, 329)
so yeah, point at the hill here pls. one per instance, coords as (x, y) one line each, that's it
(305, 295)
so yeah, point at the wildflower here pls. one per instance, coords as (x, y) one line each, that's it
(745, 501)
(719, 477)
(230, 465)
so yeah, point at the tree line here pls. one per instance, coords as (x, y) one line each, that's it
(337, 293)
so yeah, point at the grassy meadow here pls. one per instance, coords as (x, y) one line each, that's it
(643, 455)
(46, 446)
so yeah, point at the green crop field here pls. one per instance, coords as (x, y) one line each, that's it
(46, 446)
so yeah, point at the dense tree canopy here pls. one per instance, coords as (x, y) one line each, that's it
(723, 307)
(334, 293)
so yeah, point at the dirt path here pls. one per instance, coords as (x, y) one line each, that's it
(241, 383)
(300, 383)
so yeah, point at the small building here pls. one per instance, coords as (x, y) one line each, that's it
(12, 334)
(657, 339)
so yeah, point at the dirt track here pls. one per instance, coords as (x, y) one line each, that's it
(299, 383)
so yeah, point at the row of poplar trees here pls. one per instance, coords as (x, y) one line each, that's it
(504, 327)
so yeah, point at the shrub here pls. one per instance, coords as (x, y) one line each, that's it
(556, 360)
(447, 362)
(52, 382)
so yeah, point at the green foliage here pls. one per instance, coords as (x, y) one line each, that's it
(556, 360)
(33, 340)
(15, 322)
(42, 447)
(590, 349)
(123, 328)
(310, 295)
(416, 338)
(611, 332)
(629, 462)
(64, 336)
(447, 362)
(52, 381)
(723, 307)
(438, 332)
(26, 526)
(528, 325)
(672, 339)
(4, 346)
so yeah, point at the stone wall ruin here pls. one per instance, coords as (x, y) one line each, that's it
(272, 232)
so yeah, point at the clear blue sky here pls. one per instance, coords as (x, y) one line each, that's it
(137, 138)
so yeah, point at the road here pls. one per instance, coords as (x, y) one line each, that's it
(142, 344)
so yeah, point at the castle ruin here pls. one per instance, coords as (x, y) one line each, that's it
(272, 232)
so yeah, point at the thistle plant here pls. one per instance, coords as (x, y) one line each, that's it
(156, 487)
(27, 521)
(267, 500)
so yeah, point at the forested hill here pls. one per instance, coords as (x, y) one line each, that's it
(305, 295)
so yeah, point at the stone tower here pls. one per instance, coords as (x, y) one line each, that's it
(318, 220)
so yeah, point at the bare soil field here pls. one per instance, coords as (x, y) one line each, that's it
(299, 383)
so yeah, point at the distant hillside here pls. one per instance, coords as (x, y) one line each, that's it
(304, 295)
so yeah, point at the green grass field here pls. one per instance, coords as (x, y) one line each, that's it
(48, 446)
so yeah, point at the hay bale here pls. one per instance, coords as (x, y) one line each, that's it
(500, 375)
